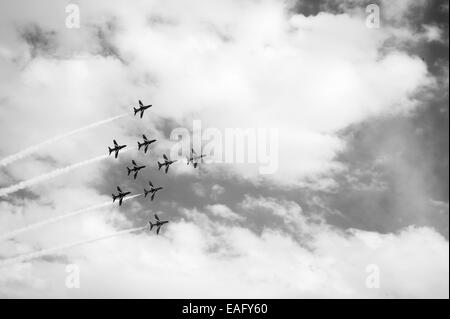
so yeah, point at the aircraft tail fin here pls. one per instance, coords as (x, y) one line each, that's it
(135, 110)
(159, 165)
(146, 192)
(110, 150)
(151, 225)
(114, 197)
(129, 171)
(140, 145)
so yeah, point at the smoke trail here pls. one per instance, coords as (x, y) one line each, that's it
(33, 149)
(44, 252)
(42, 178)
(59, 218)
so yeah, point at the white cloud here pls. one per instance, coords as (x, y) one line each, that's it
(224, 212)
(230, 64)
(194, 254)
(308, 76)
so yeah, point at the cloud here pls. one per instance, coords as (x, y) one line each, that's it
(231, 64)
(331, 263)
(224, 212)
(216, 191)
(262, 78)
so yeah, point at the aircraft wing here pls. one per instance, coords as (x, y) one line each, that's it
(165, 157)
(140, 103)
(120, 201)
(115, 143)
(157, 231)
(135, 174)
(117, 153)
(153, 196)
(167, 168)
(150, 183)
(157, 217)
(146, 148)
(134, 163)
(145, 138)
(118, 188)
(142, 113)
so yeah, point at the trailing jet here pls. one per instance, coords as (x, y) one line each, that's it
(116, 148)
(146, 143)
(141, 108)
(134, 169)
(158, 224)
(152, 190)
(120, 196)
(194, 158)
(166, 163)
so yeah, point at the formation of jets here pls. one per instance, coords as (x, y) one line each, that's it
(134, 170)
(158, 224)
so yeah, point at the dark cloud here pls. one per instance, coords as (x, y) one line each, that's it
(40, 41)
(57, 259)
(410, 156)
(104, 34)
(416, 173)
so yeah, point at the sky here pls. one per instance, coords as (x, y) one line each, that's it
(351, 122)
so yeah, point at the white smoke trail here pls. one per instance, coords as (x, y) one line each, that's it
(61, 217)
(44, 177)
(44, 252)
(33, 149)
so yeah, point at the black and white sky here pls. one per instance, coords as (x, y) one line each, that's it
(362, 177)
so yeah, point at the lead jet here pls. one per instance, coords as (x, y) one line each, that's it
(159, 223)
(193, 158)
(120, 196)
(166, 163)
(152, 190)
(134, 169)
(116, 148)
(146, 143)
(141, 108)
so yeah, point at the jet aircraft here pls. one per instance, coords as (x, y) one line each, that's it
(120, 196)
(152, 190)
(194, 158)
(141, 108)
(116, 148)
(166, 163)
(134, 169)
(159, 223)
(146, 143)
